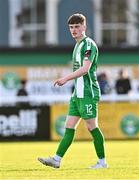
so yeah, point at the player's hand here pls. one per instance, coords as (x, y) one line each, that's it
(60, 82)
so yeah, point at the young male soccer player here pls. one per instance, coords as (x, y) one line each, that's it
(83, 103)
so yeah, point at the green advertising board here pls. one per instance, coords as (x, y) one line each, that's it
(36, 57)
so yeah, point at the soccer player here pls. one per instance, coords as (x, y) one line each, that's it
(86, 95)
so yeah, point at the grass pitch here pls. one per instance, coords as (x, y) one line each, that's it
(18, 160)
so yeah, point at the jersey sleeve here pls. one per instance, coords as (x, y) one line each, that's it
(89, 51)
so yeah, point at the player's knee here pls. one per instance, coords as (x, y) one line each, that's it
(91, 124)
(90, 127)
(70, 126)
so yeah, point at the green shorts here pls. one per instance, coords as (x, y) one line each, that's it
(86, 108)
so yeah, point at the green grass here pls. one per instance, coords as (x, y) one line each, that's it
(18, 160)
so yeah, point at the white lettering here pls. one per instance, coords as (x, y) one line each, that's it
(23, 124)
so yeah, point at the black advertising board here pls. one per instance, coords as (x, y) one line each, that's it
(25, 122)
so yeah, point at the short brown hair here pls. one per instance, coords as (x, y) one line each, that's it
(76, 19)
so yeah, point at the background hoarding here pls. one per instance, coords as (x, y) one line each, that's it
(24, 122)
(119, 120)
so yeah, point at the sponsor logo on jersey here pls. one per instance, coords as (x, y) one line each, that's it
(76, 66)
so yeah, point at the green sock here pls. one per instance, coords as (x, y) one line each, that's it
(65, 142)
(98, 142)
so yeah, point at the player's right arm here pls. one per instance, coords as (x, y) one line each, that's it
(78, 73)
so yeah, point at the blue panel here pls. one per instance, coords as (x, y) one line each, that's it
(4, 22)
(67, 8)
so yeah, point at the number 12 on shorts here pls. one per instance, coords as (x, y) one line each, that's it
(89, 109)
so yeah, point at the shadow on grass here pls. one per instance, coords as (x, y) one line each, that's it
(12, 170)
(44, 169)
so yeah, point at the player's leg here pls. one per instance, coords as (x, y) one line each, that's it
(64, 144)
(89, 113)
(71, 123)
(99, 141)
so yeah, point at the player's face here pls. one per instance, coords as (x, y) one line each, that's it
(77, 30)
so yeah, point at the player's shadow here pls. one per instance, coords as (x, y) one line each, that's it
(31, 169)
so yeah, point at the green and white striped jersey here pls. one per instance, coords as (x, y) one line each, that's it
(86, 85)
